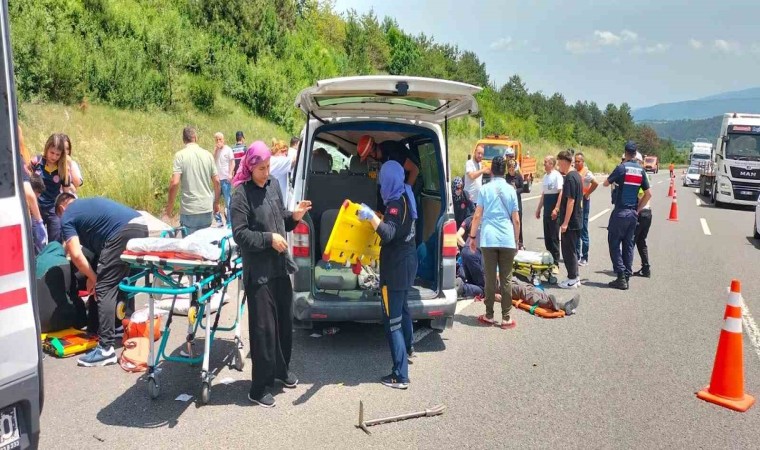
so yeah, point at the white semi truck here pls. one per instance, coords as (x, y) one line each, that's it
(734, 173)
(700, 151)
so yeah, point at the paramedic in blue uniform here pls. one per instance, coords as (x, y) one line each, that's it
(398, 265)
(629, 178)
(104, 227)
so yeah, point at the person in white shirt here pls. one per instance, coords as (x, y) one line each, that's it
(549, 201)
(225, 167)
(280, 166)
(473, 174)
(295, 142)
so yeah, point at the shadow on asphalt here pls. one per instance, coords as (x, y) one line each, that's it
(755, 242)
(135, 409)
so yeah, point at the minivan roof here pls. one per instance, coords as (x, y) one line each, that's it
(391, 96)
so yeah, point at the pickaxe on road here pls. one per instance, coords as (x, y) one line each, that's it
(430, 412)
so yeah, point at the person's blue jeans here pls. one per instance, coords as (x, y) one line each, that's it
(195, 222)
(583, 242)
(620, 237)
(226, 194)
(398, 330)
(52, 222)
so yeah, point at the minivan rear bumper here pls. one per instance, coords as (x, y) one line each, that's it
(24, 395)
(307, 308)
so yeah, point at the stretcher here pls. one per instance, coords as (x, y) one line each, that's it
(535, 266)
(352, 241)
(181, 273)
(68, 342)
(537, 310)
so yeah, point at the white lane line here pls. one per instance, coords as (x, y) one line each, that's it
(531, 198)
(659, 181)
(462, 304)
(420, 334)
(599, 215)
(699, 202)
(705, 228)
(751, 327)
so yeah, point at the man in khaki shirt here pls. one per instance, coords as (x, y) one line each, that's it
(195, 173)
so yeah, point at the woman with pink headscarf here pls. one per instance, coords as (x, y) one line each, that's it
(259, 224)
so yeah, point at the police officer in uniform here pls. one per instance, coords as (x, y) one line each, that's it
(629, 178)
(398, 265)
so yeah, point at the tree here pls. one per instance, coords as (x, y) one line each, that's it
(404, 52)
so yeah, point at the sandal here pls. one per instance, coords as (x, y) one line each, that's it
(485, 320)
(508, 325)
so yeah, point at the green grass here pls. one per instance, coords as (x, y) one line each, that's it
(127, 155)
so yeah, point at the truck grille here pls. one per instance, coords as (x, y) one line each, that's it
(744, 173)
(746, 191)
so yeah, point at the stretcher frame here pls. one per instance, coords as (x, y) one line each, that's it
(210, 277)
(535, 272)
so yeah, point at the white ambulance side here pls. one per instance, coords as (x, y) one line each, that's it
(20, 350)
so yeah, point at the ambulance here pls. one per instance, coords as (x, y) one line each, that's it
(21, 393)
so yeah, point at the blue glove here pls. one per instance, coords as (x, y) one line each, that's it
(366, 213)
(39, 231)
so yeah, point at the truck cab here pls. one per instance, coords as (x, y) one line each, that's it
(20, 348)
(496, 145)
(737, 160)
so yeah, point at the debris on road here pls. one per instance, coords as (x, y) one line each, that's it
(430, 412)
(184, 397)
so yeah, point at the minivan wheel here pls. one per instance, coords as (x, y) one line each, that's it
(757, 233)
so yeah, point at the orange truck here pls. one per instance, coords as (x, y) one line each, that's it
(497, 144)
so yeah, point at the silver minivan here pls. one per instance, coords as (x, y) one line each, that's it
(414, 112)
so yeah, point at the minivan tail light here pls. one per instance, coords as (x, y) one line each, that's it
(301, 241)
(450, 239)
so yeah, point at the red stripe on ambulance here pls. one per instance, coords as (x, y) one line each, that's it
(11, 250)
(12, 298)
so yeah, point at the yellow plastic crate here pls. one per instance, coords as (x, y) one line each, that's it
(352, 241)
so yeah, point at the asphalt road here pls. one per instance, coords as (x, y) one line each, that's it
(621, 373)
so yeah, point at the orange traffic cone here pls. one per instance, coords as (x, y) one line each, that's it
(727, 382)
(672, 189)
(734, 303)
(674, 209)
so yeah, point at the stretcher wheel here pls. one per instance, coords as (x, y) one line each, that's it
(153, 389)
(192, 314)
(239, 360)
(121, 310)
(552, 279)
(205, 393)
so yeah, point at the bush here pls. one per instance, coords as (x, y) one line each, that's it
(202, 93)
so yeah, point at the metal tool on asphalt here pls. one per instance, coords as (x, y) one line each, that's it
(364, 424)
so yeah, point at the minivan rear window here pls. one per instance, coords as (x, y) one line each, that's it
(414, 102)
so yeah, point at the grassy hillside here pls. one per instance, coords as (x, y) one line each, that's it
(127, 155)
(684, 132)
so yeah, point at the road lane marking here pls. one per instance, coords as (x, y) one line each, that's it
(531, 198)
(705, 228)
(752, 331)
(660, 181)
(599, 215)
(462, 304)
(699, 202)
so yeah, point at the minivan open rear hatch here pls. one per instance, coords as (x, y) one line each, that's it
(390, 96)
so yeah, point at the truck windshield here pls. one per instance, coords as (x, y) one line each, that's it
(491, 151)
(699, 156)
(743, 147)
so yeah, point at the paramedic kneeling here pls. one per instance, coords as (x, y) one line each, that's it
(398, 265)
(103, 227)
(629, 177)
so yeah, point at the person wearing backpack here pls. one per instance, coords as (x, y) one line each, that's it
(496, 226)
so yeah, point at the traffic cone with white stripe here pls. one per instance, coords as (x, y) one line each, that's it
(672, 188)
(727, 382)
(674, 209)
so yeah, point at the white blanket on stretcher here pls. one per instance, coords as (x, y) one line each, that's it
(528, 257)
(205, 244)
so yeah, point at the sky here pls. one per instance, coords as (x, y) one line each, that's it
(642, 52)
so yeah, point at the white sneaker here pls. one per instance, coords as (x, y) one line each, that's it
(570, 283)
(583, 262)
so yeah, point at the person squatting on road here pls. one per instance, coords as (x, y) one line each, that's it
(570, 217)
(259, 225)
(470, 280)
(499, 214)
(517, 181)
(589, 186)
(629, 178)
(549, 201)
(54, 169)
(104, 227)
(463, 207)
(194, 172)
(642, 231)
(398, 265)
(474, 169)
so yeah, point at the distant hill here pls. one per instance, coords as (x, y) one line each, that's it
(686, 131)
(747, 100)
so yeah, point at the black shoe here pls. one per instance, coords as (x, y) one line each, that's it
(410, 354)
(266, 400)
(290, 381)
(395, 383)
(644, 272)
(620, 283)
